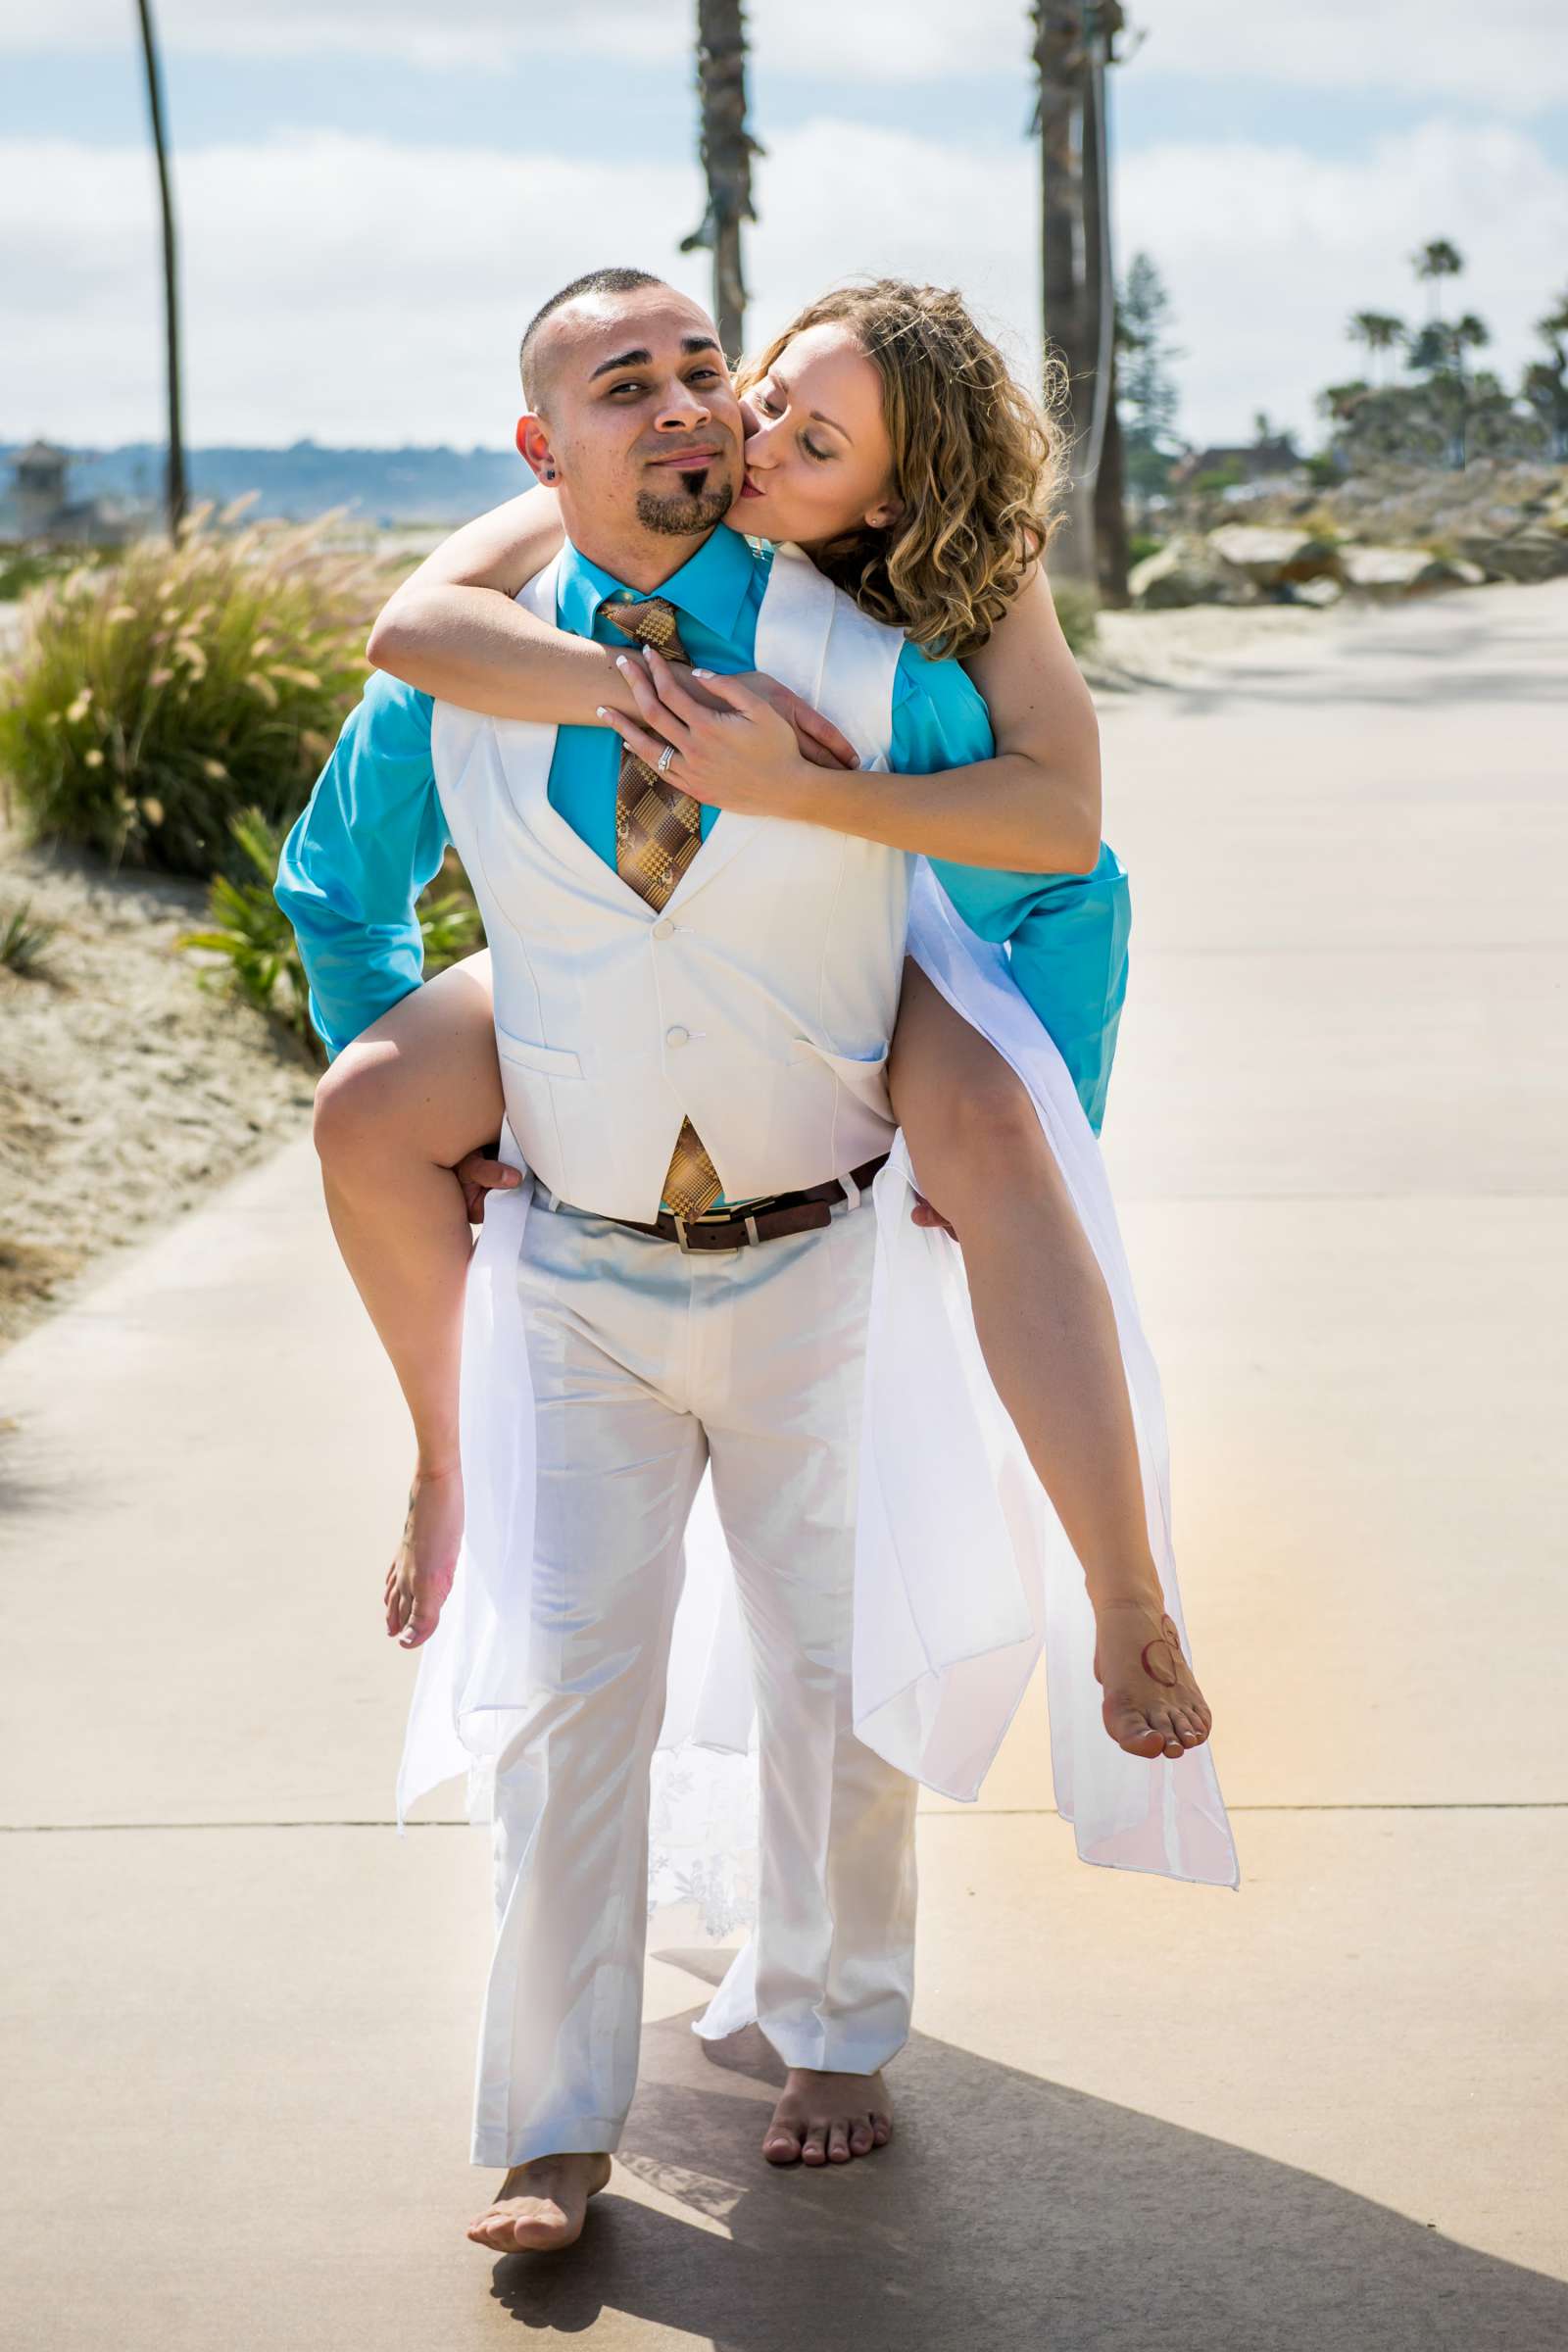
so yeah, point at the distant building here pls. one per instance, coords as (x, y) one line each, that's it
(40, 504)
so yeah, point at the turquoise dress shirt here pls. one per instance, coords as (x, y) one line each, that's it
(372, 833)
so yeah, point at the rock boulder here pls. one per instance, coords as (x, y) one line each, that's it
(1537, 553)
(1271, 558)
(1187, 571)
(1394, 570)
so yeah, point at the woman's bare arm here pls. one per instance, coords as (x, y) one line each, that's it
(1041, 793)
(1033, 807)
(452, 630)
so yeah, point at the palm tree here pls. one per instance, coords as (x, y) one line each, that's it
(1468, 333)
(1061, 59)
(1545, 383)
(175, 473)
(1437, 351)
(1379, 331)
(727, 148)
(1435, 261)
(1074, 41)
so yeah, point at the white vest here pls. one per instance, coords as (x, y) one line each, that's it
(758, 1003)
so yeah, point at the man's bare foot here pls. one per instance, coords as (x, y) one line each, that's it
(542, 2204)
(1152, 1704)
(826, 2119)
(420, 1576)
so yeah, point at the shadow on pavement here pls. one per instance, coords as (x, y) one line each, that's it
(1008, 2212)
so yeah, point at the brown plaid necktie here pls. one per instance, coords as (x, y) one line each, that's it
(658, 834)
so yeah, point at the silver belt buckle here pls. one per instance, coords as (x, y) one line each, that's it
(680, 1234)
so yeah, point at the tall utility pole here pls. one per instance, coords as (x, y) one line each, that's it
(1072, 44)
(174, 470)
(727, 148)
(1106, 466)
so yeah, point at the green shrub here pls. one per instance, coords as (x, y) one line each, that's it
(1141, 544)
(156, 698)
(1078, 610)
(248, 928)
(25, 940)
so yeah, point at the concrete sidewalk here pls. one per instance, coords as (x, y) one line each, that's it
(1327, 2110)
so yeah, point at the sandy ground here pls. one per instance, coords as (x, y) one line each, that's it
(126, 1088)
(1132, 650)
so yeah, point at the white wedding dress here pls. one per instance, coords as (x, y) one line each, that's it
(964, 1574)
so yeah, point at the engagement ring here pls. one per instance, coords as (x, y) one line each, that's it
(661, 764)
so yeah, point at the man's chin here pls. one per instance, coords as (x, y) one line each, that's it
(693, 503)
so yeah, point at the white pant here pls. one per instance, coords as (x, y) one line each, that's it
(647, 1363)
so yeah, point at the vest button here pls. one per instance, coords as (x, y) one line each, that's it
(678, 1037)
(664, 929)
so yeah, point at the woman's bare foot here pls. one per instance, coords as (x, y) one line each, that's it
(420, 1576)
(1152, 1705)
(826, 2119)
(542, 2204)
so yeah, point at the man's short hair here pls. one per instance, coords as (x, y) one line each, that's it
(596, 281)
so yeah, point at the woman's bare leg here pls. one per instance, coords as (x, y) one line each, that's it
(1048, 1332)
(415, 1094)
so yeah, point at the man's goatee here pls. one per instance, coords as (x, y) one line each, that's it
(694, 510)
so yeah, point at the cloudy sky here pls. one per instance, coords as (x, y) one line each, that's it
(373, 197)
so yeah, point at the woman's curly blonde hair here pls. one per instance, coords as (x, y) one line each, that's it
(979, 467)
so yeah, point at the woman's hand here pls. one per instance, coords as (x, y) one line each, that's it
(744, 745)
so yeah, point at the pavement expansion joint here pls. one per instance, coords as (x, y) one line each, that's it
(1480, 1804)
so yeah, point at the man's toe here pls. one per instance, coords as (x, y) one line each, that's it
(538, 2234)
(813, 2148)
(861, 2138)
(782, 2144)
(838, 2144)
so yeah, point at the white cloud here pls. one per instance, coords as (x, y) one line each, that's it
(1512, 58)
(835, 197)
(481, 32)
(359, 291)
(1267, 252)
(343, 288)
(1511, 55)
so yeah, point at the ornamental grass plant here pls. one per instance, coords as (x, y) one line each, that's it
(254, 939)
(155, 700)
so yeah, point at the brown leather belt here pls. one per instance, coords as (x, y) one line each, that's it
(767, 1220)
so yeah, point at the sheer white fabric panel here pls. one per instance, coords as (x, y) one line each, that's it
(964, 1574)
